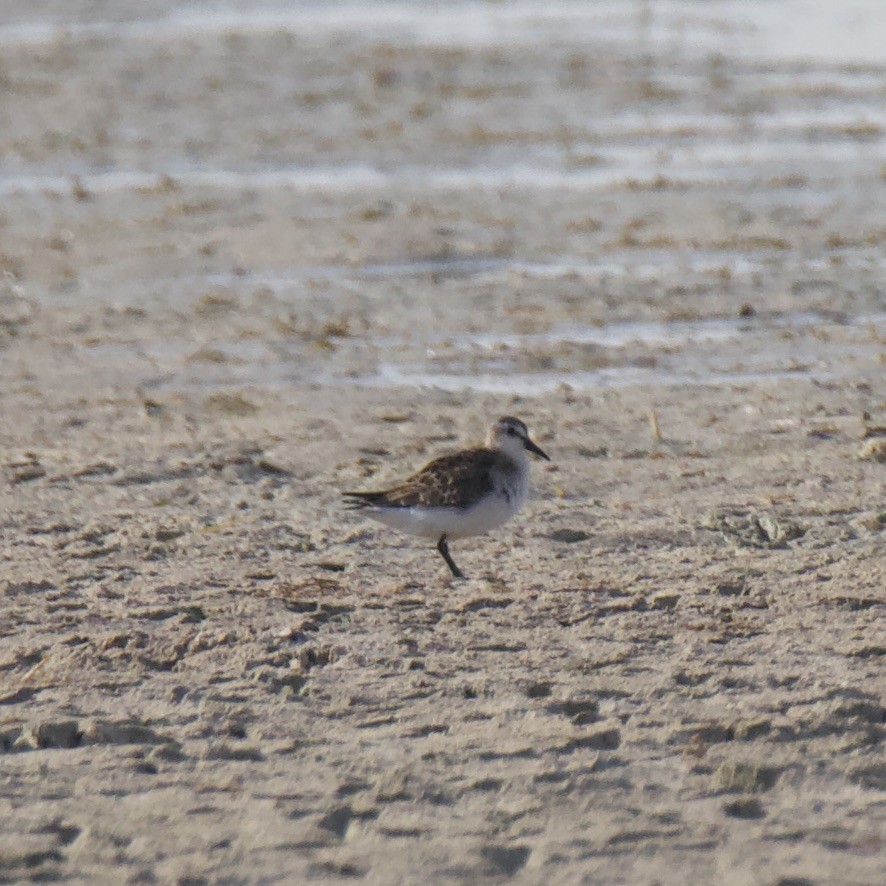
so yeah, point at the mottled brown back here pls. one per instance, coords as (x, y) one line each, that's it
(456, 480)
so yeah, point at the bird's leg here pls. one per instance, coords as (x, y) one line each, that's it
(443, 548)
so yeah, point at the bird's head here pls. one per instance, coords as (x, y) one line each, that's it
(512, 435)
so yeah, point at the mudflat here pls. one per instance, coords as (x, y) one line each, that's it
(251, 260)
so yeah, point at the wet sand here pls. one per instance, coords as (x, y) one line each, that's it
(250, 260)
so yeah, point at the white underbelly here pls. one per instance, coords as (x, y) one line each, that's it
(490, 513)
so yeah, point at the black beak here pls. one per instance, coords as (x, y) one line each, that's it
(537, 450)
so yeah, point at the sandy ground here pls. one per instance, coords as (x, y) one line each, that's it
(245, 267)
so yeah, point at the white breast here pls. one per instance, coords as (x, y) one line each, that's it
(489, 513)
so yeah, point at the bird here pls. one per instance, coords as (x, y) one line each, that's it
(465, 493)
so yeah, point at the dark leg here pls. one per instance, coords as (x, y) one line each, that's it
(443, 548)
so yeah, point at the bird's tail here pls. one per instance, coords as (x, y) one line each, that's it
(359, 500)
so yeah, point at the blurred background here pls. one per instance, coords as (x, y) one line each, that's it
(472, 195)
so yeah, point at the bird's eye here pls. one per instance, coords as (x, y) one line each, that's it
(511, 432)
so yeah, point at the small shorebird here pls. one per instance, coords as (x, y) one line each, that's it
(467, 493)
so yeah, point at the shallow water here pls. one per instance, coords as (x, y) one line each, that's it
(768, 118)
(709, 351)
(790, 29)
(650, 263)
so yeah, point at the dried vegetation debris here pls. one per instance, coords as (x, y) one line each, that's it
(753, 529)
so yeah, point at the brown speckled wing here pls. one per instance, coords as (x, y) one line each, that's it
(456, 480)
